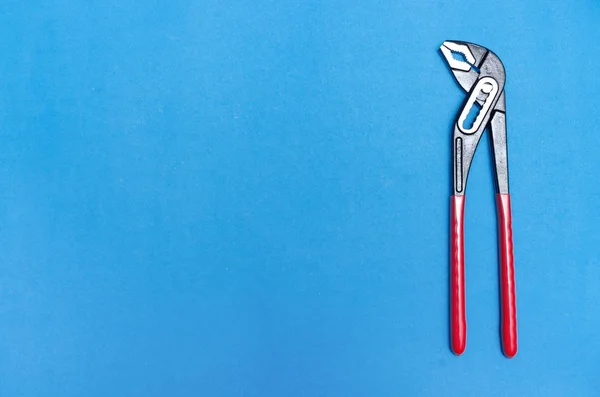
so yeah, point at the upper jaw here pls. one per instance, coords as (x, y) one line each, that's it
(473, 61)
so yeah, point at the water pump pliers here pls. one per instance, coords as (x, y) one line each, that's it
(481, 75)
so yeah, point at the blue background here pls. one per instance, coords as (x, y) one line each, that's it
(250, 198)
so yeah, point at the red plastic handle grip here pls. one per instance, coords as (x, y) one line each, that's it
(507, 277)
(458, 318)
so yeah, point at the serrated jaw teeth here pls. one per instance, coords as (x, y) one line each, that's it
(449, 48)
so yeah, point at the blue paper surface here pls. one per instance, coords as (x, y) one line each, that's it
(250, 198)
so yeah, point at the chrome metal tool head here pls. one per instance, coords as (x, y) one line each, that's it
(480, 73)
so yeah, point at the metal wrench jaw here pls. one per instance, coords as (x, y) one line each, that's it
(478, 62)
